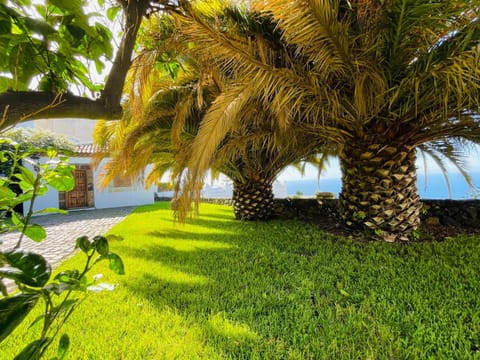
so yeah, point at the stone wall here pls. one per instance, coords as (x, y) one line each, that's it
(465, 213)
(453, 212)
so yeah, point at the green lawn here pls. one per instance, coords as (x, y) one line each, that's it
(224, 289)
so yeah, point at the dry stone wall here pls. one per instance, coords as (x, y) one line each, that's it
(465, 213)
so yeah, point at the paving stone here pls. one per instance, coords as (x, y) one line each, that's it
(63, 230)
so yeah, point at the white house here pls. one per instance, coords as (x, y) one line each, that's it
(87, 194)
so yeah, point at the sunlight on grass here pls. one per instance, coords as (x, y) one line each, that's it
(225, 289)
(232, 331)
(178, 240)
(167, 273)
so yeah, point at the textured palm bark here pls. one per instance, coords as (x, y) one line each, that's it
(253, 200)
(379, 189)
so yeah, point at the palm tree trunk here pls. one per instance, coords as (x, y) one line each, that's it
(379, 189)
(253, 200)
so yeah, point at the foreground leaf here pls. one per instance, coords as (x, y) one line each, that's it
(35, 232)
(63, 346)
(32, 350)
(26, 267)
(101, 244)
(116, 264)
(83, 244)
(13, 310)
(61, 182)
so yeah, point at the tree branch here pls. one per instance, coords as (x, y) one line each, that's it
(19, 106)
(134, 12)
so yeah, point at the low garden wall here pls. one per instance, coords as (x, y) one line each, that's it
(465, 213)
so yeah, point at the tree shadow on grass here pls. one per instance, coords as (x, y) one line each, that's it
(159, 205)
(200, 304)
(245, 304)
(255, 294)
(186, 235)
(225, 213)
(228, 216)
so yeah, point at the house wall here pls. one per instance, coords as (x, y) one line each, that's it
(111, 196)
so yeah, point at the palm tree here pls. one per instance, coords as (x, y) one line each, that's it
(253, 155)
(378, 78)
(165, 117)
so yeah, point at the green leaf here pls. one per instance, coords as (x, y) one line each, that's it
(5, 26)
(52, 153)
(6, 82)
(18, 220)
(24, 197)
(26, 267)
(83, 244)
(63, 346)
(112, 12)
(83, 284)
(74, 6)
(7, 196)
(68, 276)
(25, 53)
(59, 288)
(116, 264)
(52, 211)
(32, 350)
(13, 310)
(76, 31)
(26, 177)
(35, 232)
(101, 245)
(61, 180)
(41, 10)
(3, 288)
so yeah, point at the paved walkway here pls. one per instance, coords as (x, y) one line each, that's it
(63, 230)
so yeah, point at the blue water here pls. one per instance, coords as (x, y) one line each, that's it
(434, 188)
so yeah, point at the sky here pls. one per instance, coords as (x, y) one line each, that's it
(333, 171)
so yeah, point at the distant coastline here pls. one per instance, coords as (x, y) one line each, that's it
(434, 188)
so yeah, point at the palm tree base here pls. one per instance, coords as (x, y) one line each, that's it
(253, 200)
(379, 190)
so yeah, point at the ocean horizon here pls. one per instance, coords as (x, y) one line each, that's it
(433, 187)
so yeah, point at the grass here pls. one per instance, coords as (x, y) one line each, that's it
(224, 289)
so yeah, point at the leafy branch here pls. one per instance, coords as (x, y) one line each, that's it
(30, 271)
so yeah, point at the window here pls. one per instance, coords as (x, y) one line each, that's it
(122, 182)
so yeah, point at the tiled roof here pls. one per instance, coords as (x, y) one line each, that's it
(88, 150)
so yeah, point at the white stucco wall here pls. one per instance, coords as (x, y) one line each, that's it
(109, 197)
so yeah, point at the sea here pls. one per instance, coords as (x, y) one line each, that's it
(433, 186)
